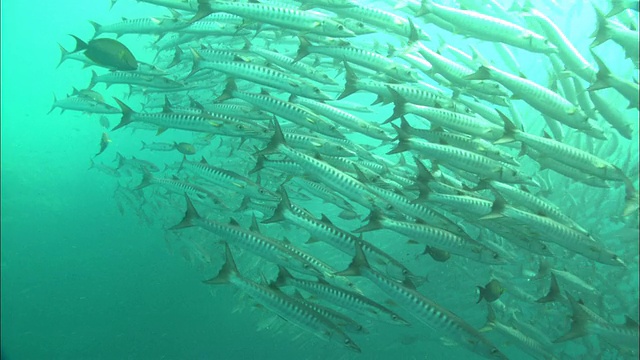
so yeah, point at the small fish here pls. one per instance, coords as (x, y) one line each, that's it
(490, 292)
(104, 121)
(104, 142)
(108, 53)
(437, 254)
(185, 148)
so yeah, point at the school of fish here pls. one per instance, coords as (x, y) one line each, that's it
(368, 172)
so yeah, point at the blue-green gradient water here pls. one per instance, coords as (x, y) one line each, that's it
(82, 280)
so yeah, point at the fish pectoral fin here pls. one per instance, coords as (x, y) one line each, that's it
(238, 185)
(448, 342)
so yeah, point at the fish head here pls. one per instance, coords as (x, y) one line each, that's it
(334, 28)
(349, 344)
(358, 27)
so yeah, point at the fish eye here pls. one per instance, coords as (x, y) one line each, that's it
(340, 27)
(494, 351)
(240, 127)
(496, 255)
(347, 341)
(316, 90)
(394, 316)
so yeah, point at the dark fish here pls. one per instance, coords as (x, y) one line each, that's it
(437, 254)
(185, 148)
(104, 142)
(104, 121)
(108, 53)
(491, 292)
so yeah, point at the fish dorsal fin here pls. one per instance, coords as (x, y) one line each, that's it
(233, 222)
(326, 220)
(204, 161)
(286, 241)
(254, 224)
(629, 322)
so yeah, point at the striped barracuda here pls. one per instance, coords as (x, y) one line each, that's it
(425, 310)
(270, 297)
(264, 247)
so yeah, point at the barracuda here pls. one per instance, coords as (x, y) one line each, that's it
(228, 179)
(270, 297)
(289, 18)
(201, 123)
(425, 310)
(549, 230)
(297, 67)
(527, 344)
(566, 50)
(348, 300)
(466, 124)
(323, 172)
(324, 230)
(460, 159)
(267, 248)
(564, 153)
(380, 18)
(132, 78)
(264, 75)
(489, 28)
(141, 26)
(456, 73)
(285, 109)
(368, 59)
(343, 118)
(436, 237)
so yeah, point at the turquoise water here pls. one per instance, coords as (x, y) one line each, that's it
(81, 280)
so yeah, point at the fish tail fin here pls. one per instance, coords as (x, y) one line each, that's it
(491, 319)
(80, 44)
(96, 27)
(617, 6)
(94, 80)
(92, 165)
(496, 209)
(259, 164)
(423, 178)
(113, 2)
(190, 214)
(403, 140)
(144, 145)
(303, 48)
(375, 218)
(177, 58)
(399, 108)
(204, 10)
(147, 179)
(63, 55)
(358, 263)
(197, 59)
(227, 93)
(483, 73)
(425, 8)
(276, 141)
(120, 159)
(554, 292)
(509, 129)
(126, 114)
(579, 322)
(228, 270)
(602, 33)
(53, 105)
(480, 294)
(284, 205)
(602, 76)
(351, 81)
(184, 159)
(283, 276)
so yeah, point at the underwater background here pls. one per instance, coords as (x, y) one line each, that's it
(81, 280)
